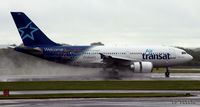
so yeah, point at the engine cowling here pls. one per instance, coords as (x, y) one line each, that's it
(141, 67)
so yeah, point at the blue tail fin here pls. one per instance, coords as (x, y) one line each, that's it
(30, 34)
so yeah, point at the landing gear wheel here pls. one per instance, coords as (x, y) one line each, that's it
(114, 73)
(167, 73)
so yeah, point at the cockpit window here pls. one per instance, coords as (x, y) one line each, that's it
(184, 53)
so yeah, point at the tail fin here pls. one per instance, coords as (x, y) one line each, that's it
(30, 34)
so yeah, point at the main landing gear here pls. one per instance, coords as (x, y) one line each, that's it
(167, 73)
(111, 72)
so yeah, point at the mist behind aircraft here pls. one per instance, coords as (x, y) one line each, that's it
(15, 63)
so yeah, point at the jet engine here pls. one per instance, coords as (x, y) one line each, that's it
(141, 66)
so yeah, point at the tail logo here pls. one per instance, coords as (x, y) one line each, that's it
(27, 31)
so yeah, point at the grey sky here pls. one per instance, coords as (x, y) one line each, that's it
(113, 22)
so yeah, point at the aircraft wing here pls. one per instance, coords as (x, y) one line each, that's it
(113, 59)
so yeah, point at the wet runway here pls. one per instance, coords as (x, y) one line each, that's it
(100, 91)
(193, 101)
(104, 102)
(91, 77)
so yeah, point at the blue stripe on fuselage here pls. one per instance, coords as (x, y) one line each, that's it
(60, 54)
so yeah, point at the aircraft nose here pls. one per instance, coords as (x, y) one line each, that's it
(190, 57)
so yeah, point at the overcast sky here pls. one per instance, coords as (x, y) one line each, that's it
(113, 22)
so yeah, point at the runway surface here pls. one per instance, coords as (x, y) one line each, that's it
(104, 102)
(91, 77)
(100, 91)
(193, 101)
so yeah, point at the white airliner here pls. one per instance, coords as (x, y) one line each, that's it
(135, 58)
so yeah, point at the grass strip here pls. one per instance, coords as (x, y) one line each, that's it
(93, 95)
(178, 71)
(103, 85)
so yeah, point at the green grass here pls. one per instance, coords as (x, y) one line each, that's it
(103, 85)
(178, 71)
(94, 95)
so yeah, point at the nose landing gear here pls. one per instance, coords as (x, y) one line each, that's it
(167, 73)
